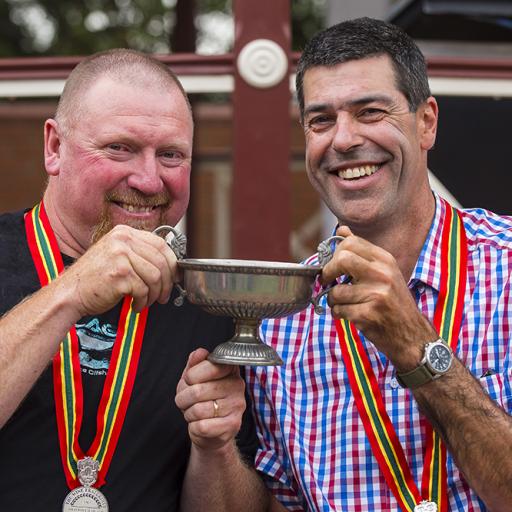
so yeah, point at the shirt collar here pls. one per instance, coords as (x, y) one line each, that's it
(427, 269)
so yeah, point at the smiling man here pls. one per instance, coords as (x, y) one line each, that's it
(127, 156)
(92, 349)
(399, 398)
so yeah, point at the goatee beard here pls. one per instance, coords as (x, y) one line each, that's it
(106, 224)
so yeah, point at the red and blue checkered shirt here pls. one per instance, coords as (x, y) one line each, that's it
(313, 451)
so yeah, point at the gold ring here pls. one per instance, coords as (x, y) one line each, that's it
(215, 408)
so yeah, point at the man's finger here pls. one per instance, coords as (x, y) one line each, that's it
(345, 262)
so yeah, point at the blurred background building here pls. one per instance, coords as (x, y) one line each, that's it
(250, 194)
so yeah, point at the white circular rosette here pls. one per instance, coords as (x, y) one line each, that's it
(262, 63)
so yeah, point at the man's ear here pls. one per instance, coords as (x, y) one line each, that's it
(51, 147)
(427, 123)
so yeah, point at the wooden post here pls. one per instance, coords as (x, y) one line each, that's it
(261, 151)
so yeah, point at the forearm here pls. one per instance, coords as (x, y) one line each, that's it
(30, 335)
(219, 481)
(477, 432)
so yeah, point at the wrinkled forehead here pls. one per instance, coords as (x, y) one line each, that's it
(117, 86)
(113, 87)
(108, 97)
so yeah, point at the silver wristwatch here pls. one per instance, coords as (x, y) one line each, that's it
(436, 361)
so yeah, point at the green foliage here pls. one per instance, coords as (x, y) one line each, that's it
(75, 27)
(308, 17)
(79, 27)
(214, 5)
(11, 34)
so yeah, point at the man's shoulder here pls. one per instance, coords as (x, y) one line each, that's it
(486, 228)
(12, 230)
(12, 234)
(18, 277)
(11, 224)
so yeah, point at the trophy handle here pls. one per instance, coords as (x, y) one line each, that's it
(325, 254)
(178, 301)
(325, 251)
(177, 241)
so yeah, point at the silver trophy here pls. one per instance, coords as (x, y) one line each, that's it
(248, 291)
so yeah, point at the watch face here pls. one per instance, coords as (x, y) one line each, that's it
(440, 358)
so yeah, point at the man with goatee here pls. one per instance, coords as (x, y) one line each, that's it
(92, 349)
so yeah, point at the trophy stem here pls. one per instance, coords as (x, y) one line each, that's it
(246, 347)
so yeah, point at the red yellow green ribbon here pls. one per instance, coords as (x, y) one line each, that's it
(369, 401)
(67, 377)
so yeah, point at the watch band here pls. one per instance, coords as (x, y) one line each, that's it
(415, 378)
(425, 372)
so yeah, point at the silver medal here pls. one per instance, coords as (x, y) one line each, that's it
(86, 498)
(425, 506)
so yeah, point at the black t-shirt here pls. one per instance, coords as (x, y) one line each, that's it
(148, 465)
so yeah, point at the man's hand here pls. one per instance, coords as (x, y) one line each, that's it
(378, 301)
(211, 397)
(126, 261)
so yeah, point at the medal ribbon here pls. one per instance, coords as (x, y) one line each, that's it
(67, 377)
(369, 402)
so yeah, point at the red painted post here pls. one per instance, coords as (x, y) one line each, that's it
(261, 212)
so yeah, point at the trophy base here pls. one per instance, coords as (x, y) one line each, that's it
(245, 348)
(245, 354)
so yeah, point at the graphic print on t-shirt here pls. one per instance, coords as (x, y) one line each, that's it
(96, 341)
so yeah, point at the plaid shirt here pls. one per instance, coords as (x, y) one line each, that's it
(314, 451)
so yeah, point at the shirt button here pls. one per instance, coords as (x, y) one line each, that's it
(394, 383)
(421, 288)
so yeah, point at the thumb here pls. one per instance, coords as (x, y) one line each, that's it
(196, 357)
(344, 231)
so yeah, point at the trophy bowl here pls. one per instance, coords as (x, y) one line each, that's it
(247, 291)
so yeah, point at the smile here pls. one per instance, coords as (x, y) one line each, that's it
(357, 172)
(136, 209)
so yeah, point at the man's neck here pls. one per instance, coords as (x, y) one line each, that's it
(68, 244)
(404, 237)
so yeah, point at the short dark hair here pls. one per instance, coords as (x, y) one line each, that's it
(367, 37)
(121, 64)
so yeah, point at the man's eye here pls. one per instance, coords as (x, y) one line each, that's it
(171, 157)
(372, 113)
(115, 146)
(171, 154)
(319, 122)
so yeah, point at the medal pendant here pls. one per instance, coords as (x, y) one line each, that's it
(425, 506)
(86, 498)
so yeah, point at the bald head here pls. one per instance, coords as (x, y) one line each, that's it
(121, 65)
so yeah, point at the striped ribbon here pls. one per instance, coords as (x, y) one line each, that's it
(379, 429)
(67, 377)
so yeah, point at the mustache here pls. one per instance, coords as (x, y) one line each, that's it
(134, 198)
(137, 198)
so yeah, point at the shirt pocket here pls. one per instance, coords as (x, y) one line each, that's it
(494, 385)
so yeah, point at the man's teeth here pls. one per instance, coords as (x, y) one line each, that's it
(136, 209)
(357, 172)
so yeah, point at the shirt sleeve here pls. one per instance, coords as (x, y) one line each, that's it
(507, 356)
(271, 456)
(246, 440)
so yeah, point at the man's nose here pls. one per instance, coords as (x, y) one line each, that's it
(346, 133)
(146, 176)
